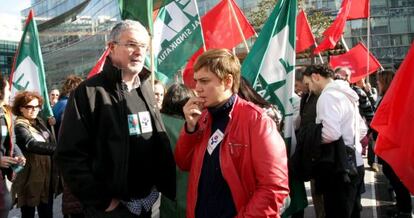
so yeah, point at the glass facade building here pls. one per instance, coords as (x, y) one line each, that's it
(7, 51)
(391, 28)
(72, 34)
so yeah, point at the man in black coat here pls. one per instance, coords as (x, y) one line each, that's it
(113, 150)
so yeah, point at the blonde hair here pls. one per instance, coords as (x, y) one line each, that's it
(222, 63)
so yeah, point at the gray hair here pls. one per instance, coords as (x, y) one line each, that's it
(126, 25)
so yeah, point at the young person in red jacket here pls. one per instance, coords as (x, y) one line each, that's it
(236, 157)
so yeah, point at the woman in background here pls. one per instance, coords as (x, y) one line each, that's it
(71, 207)
(402, 195)
(34, 185)
(173, 117)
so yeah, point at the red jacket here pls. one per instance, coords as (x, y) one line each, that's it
(252, 159)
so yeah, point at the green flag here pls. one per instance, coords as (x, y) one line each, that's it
(271, 62)
(28, 72)
(140, 10)
(177, 36)
(270, 67)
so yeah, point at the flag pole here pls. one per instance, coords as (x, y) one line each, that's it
(368, 42)
(238, 25)
(344, 43)
(201, 26)
(319, 54)
(152, 68)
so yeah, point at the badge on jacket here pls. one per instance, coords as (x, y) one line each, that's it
(145, 121)
(214, 140)
(133, 124)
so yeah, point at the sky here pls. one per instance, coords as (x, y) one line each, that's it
(10, 19)
(13, 7)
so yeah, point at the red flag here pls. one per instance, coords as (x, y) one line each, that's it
(99, 65)
(304, 36)
(356, 60)
(223, 34)
(359, 10)
(335, 31)
(394, 123)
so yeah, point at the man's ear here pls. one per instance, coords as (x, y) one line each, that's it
(228, 81)
(110, 45)
(315, 77)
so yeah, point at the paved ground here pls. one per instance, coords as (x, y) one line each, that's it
(376, 200)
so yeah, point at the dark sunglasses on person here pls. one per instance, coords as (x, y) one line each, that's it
(32, 107)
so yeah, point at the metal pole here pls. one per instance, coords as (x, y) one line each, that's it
(368, 45)
(152, 62)
(238, 25)
(201, 27)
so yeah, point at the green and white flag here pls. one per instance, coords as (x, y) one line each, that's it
(28, 72)
(270, 64)
(270, 67)
(177, 35)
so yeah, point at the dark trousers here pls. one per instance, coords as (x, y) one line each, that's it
(43, 210)
(341, 199)
(372, 158)
(402, 195)
(118, 212)
(5, 199)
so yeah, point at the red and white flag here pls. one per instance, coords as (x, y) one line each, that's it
(356, 60)
(223, 34)
(394, 123)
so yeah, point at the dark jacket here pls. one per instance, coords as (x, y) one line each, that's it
(366, 109)
(33, 184)
(93, 149)
(307, 153)
(312, 159)
(308, 109)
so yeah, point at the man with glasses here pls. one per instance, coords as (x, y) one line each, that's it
(113, 149)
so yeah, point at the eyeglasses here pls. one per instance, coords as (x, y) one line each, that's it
(33, 107)
(133, 46)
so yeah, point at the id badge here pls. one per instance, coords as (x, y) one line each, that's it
(214, 140)
(145, 121)
(133, 124)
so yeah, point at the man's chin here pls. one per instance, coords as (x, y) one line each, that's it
(135, 70)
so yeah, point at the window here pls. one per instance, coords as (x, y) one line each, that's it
(380, 41)
(399, 24)
(379, 25)
(379, 3)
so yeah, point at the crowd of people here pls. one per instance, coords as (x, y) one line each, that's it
(119, 147)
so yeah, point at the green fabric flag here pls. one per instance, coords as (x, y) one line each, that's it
(270, 67)
(28, 72)
(177, 35)
(140, 10)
